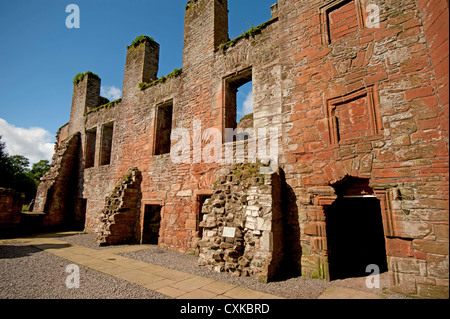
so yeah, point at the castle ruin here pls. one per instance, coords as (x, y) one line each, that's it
(360, 107)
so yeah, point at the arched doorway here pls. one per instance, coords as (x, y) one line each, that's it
(354, 227)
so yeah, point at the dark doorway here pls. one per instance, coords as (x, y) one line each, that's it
(152, 221)
(80, 214)
(355, 235)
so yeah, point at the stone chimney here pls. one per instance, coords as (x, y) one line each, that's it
(141, 65)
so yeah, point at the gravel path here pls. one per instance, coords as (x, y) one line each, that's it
(295, 288)
(29, 273)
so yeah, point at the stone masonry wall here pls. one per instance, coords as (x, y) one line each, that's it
(347, 100)
(10, 207)
(368, 105)
(246, 204)
(57, 190)
(134, 118)
(118, 220)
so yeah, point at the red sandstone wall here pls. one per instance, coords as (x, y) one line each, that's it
(196, 95)
(407, 148)
(10, 207)
(351, 101)
(435, 19)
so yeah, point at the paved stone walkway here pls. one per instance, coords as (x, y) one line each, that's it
(172, 283)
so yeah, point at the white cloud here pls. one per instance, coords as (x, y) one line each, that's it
(248, 104)
(111, 92)
(34, 143)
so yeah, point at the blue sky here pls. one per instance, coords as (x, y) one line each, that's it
(39, 56)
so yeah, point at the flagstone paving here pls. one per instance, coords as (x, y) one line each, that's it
(169, 282)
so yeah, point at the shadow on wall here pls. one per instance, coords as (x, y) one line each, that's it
(292, 250)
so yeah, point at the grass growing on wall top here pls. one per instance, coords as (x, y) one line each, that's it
(106, 106)
(188, 4)
(252, 32)
(80, 76)
(140, 39)
(162, 79)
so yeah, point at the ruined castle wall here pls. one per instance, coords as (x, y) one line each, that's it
(260, 54)
(194, 97)
(242, 224)
(10, 207)
(365, 104)
(435, 19)
(57, 190)
(99, 180)
(62, 134)
(350, 101)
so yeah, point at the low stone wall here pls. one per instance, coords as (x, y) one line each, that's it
(242, 224)
(10, 207)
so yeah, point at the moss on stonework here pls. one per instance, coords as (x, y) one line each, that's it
(188, 4)
(246, 121)
(140, 39)
(124, 180)
(252, 32)
(247, 171)
(162, 79)
(80, 76)
(106, 106)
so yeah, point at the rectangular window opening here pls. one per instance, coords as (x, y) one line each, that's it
(91, 139)
(164, 114)
(106, 146)
(238, 103)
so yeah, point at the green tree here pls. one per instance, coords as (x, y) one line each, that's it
(39, 169)
(3, 153)
(25, 183)
(15, 173)
(20, 164)
(6, 169)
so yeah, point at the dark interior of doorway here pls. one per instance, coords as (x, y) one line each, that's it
(152, 222)
(355, 237)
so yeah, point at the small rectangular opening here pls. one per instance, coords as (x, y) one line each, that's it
(91, 139)
(164, 114)
(200, 201)
(151, 224)
(106, 146)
